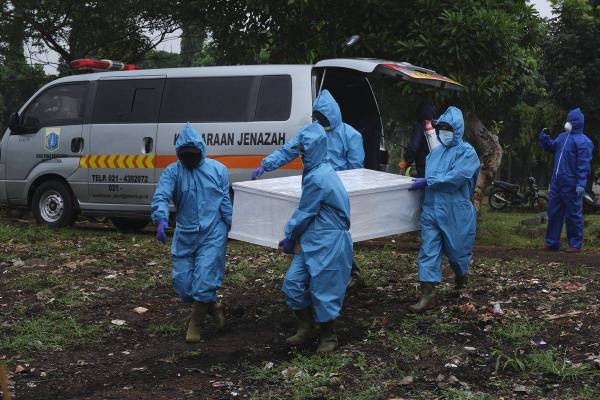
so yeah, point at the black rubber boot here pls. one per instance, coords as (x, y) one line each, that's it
(328, 341)
(215, 310)
(355, 281)
(460, 282)
(306, 327)
(427, 290)
(194, 330)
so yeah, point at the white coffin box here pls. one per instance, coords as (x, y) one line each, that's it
(380, 205)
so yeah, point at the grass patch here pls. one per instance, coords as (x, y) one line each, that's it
(457, 394)
(50, 331)
(517, 333)
(555, 364)
(504, 228)
(165, 329)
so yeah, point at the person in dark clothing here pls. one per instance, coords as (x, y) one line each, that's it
(418, 150)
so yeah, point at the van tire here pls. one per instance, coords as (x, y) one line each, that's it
(130, 225)
(53, 204)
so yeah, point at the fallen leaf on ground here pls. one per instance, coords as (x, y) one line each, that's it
(565, 315)
(407, 380)
(118, 322)
(466, 308)
(140, 310)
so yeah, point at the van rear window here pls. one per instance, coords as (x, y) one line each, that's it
(274, 98)
(123, 101)
(213, 99)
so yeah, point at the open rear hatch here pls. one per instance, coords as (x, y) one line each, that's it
(399, 70)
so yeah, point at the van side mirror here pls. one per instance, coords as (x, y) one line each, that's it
(30, 125)
(13, 122)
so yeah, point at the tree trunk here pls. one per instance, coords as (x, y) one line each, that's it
(489, 151)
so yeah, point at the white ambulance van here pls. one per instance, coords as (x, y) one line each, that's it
(95, 144)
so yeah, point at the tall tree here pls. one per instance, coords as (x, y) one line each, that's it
(572, 60)
(117, 29)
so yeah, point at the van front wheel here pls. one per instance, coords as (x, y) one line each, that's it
(53, 205)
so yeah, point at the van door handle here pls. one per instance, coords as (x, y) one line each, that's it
(148, 145)
(76, 145)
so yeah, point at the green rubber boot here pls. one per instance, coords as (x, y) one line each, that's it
(356, 281)
(306, 327)
(427, 289)
(194, 329)
(460, 282)
(329, 340)
(215, 310)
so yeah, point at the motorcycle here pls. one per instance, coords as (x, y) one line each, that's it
(505, 194)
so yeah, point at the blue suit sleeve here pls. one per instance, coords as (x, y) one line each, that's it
(461, 172)
(226, 208)
(356, 152)
(163, 194)
(282, 156)
(310, 204)
(547, 143)
(584, 157)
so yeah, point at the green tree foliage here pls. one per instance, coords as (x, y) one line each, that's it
(572, 60)
(114, 29)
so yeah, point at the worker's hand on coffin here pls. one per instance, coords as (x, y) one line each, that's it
(287, 246)
(418, 184)
(161, 231)
(257, 173)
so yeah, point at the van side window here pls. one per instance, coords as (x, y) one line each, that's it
(274, 98)
(59, 105)
(211, 99)
(124, 101)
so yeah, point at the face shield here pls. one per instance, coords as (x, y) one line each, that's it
(190, 156)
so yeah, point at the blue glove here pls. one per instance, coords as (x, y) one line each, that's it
(287, 245)
(161, 231)
(418, 184)
(580, 191)
(257, 173)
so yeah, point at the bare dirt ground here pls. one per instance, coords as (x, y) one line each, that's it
(527, 327)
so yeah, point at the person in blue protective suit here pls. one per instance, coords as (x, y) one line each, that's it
(448, 218)
(344, 150)
(572, 156)
(315, 284)
(199, 188)
(344, 143)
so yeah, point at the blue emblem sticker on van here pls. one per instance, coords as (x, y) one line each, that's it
(52, 142)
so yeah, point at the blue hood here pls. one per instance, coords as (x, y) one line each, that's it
(188, 136)
(577, 120)
(454, 117)
(314, 140)
(326, 105)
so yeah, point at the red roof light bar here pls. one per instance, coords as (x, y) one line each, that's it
(101, 65)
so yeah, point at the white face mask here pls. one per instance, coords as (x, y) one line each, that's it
(568, 126)
(446, 137)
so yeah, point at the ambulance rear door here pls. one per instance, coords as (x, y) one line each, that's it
(122, 142)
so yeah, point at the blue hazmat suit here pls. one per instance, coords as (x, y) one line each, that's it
(344, 143)
(201, 198)
(572, 156)
(448, 217)
(319, 274)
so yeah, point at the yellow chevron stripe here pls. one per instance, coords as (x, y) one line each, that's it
(92, 161)
(150, 161)
(133, 161)
(110, 161)
(129, 161)
(102, 160)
